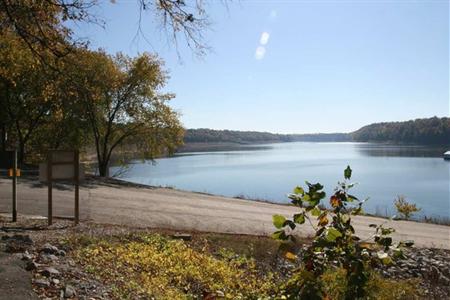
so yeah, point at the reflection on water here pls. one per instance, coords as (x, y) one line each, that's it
(402, 150)
(383, 172)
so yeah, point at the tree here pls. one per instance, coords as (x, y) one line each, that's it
(121, 101)
(404, 208)
(26, 89)
(56, 93)
(41, 24)
(431, 131)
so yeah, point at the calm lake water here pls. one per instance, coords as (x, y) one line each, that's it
(271, 171)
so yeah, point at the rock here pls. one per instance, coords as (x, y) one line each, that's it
(19, 238)
(49, 249)
(208, 296)
(49, 272)
(182, 236)
(17, 243)
(27, 256)
(31, 265)
(42, 282)
(62, 253)
(434, 273)
(18, 255)
(46, 258)
(69, 291)
(55, 281)
(86, 286)
(445, 281)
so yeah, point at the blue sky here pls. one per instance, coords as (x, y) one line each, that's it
(299, 66)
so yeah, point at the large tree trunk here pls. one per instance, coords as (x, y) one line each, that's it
(103, 168)
(21, 153)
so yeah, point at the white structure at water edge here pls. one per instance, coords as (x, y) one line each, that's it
(447, 155)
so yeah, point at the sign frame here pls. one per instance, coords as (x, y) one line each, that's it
(74, 160)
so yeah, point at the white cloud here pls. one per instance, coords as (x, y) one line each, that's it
(260, 52)
(264, 38)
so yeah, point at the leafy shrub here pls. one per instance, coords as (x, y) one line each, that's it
(377, 288)
(404, 208)
(335, 245)
(152, 266)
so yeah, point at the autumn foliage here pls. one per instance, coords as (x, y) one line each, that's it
(335, 245)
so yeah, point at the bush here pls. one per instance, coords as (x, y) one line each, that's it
(377, 288)
(404, 208)
(335, 245)
(152, 266)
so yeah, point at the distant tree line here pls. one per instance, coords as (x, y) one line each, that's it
(431, 131)
(204, 135)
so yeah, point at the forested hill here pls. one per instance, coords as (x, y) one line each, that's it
(250, 137)
(431, 131)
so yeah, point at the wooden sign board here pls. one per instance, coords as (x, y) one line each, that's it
(62, 165)
(60, 172)
(62, 157)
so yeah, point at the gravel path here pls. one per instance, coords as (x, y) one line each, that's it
(132, 205)
(15, 283)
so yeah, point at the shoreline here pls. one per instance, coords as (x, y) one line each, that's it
(94, 179)
(433, 220)
(111, 201)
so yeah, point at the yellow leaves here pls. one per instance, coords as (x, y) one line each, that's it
(370, 246)
(335, 201)
(164, 268)
(290, 256)
(323, 219)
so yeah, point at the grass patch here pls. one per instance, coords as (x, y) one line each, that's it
(146, 265)
(150, 265)
(378, 288)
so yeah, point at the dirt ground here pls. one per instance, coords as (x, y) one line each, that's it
(121, 203)
(15, 283)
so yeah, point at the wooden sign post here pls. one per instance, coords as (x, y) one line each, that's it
(50, 188)
(14, 188)
(63, 165)
(8, 160)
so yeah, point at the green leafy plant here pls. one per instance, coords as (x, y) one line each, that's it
(404, 208)
(335, 244)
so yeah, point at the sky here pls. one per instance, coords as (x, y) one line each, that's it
(288, 66)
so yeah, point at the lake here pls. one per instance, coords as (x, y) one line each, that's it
(269, 172)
